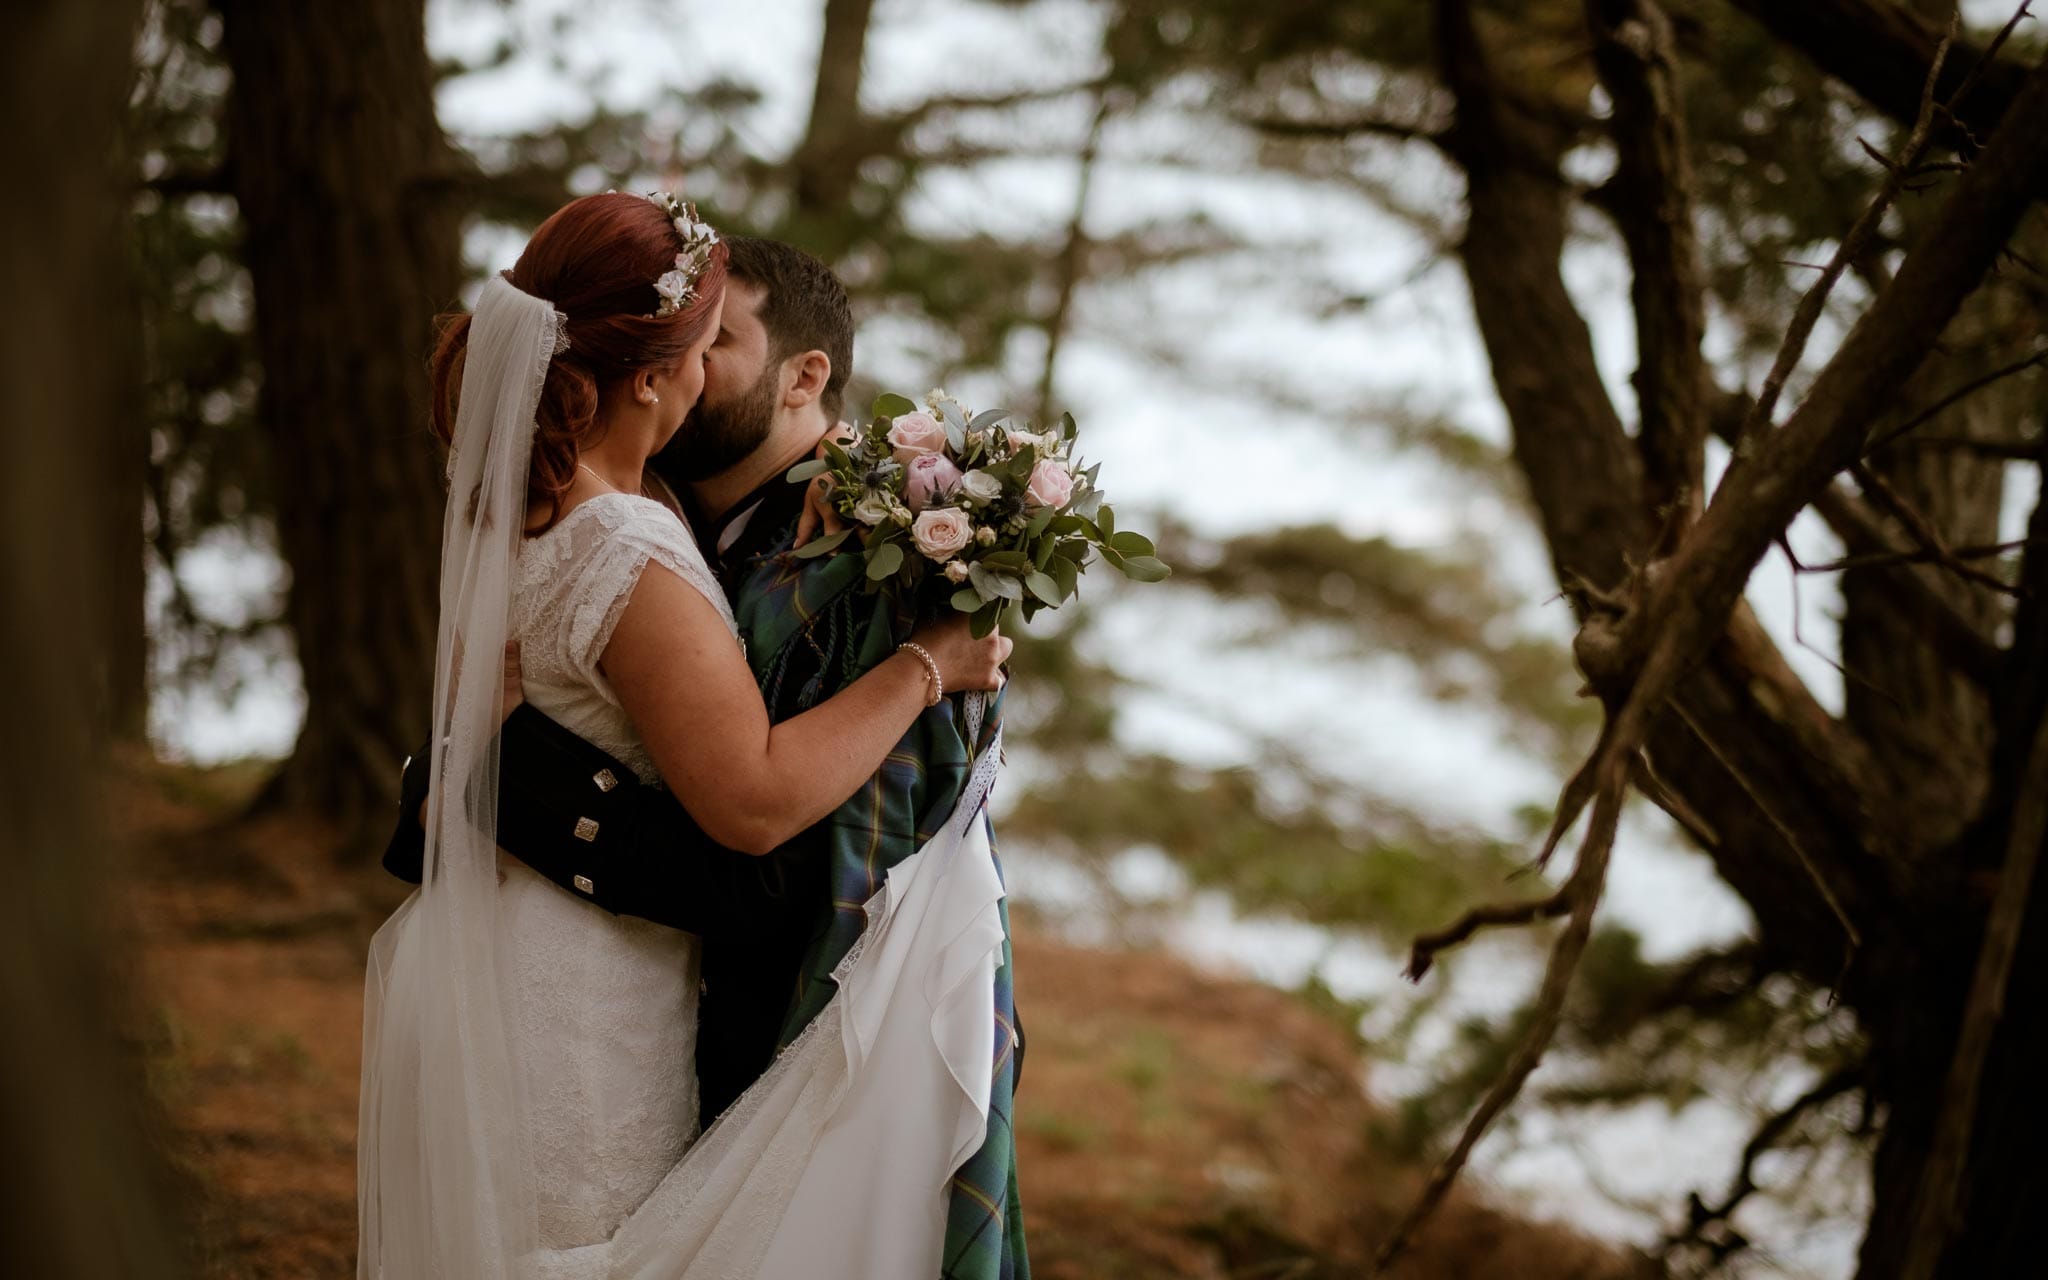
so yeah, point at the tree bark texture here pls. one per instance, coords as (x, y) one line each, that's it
(1902, 814)
(86, 1198)
(352, 243)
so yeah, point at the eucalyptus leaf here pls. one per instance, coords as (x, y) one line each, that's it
(886, 560)
(1105, 520)
(949, 411)
(890, 405)
(1012, 561)
(1145, 568)
(1039, 523)
(983, 582)
(838, 455)
(803, 471)
(1132, 544)
(956, 436)
(1044, 588)
(985, 619)
(988, 418)
(1073, 551)
(1090, 503)
(824, 546)
(1066, 574)
(967, 600)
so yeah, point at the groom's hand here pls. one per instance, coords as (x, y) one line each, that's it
(819, 513)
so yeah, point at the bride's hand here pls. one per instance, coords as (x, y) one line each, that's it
(965, 663)
(819, 513)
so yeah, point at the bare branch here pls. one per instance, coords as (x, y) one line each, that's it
(1968, 388)
(1702, 1217)
(1423, 953)
(1651, 199)
(1923, 556)
(1808, 312)
(1922, 531)
(1582, 892)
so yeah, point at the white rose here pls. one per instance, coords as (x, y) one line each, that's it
(985, 536)
(940, 532)
(981, 486)
(956, 571)
(873, 508)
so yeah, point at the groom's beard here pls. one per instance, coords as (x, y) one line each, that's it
(716, 437)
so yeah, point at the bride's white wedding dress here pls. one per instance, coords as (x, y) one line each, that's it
(837, 1161)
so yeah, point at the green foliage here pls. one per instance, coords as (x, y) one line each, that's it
(1442, 611)
(1392, 872)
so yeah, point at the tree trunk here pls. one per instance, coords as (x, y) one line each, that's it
(352, 229)
(825, 164)
(87, 1196)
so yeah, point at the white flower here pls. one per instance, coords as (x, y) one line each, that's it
(873, 508)
(981, 486)
(676, 290)
(940, 532)
(985, 536)
(956, 571)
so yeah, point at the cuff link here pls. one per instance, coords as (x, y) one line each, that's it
(605, 779)
(584, 885)
(586, 829)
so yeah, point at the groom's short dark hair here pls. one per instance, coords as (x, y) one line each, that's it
(803, 307)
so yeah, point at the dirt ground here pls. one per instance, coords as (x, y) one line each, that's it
(1171, 1123)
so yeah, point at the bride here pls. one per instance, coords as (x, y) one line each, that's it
(529, 1092)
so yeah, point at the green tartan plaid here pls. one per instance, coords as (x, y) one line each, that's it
(810, 631)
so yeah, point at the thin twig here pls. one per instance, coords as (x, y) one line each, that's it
(1766, 1137)
(1923, 556)
(1967, 389)
(1815, 299)
(1922, 531)
(1584, 887)
(1423, 952)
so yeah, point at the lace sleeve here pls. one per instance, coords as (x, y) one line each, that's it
(624, 537)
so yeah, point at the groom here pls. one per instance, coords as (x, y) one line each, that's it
(773, 927)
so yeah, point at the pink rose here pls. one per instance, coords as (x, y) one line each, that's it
(1051, 485)
(929, 476)
(940, 532)
(914, 435)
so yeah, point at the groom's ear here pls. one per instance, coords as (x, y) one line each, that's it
(811, 370)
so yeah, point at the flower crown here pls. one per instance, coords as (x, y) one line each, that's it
(678, 288)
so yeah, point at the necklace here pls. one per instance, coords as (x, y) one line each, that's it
(594, 476)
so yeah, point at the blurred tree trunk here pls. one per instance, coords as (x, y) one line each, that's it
(827, 160)
(1921, 813)
(87, 1196)
(352, 228)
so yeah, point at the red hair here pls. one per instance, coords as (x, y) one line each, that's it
(596, 259)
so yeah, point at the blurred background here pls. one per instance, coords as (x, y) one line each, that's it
(1232, 241)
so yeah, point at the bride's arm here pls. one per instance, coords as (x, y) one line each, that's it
(750, 784)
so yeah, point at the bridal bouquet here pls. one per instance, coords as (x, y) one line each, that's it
(971, 511)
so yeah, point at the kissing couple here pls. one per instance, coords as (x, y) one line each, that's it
(708, 972)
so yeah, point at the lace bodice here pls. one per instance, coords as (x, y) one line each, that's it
(603, 1007)
(574, 582)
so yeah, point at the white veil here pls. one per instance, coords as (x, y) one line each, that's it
(444, 1182)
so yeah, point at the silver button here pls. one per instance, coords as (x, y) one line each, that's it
(586, 828)
(584, 885)
(605, 779)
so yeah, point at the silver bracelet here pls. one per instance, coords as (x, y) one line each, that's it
(931, 668)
